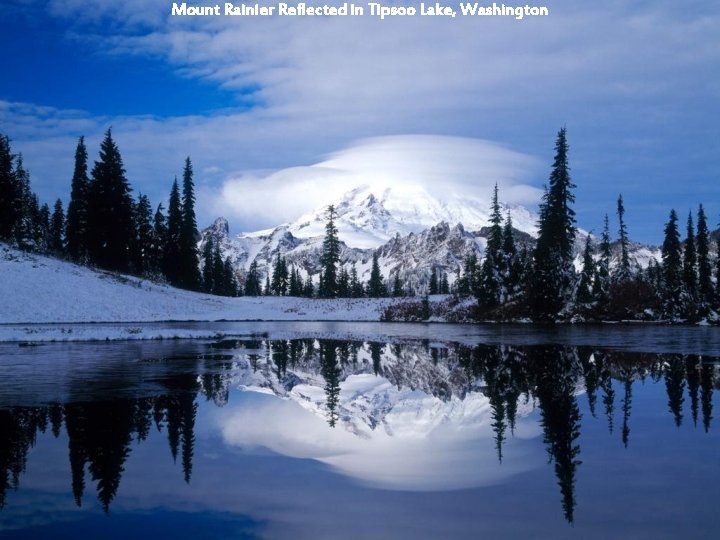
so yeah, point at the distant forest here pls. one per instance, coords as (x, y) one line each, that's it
(105, 227)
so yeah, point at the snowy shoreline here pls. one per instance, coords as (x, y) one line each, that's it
(46, 299)
(37, 289)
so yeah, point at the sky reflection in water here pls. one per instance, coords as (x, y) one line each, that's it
(280, 438)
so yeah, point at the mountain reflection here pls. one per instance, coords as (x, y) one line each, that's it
(334, 378)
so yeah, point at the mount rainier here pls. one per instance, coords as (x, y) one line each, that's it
(411, 230)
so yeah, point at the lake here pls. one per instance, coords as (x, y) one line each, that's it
(364, 430)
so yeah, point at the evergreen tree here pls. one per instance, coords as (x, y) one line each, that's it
(554, 272)
(144, 240)
(511, 263)
(110, 220)
(343, 283)
(398, 287)
(444, 285)
(584, 293)
(490, 291)
(57, 228)
(26, 210)
(171, 259)
(218, 271)
(330, 256)
(467, 281)
(309, 288)
(230, 286)
(279, 284)
(295, 287)
(77, 213)
(434, 286)
(703, 260)
(376, 286)
(495, 235)
(623, 272)
(207, 273)
(690, 260)
(267, 291)
(159, 241)
(672, 268)
(252, 281)
(189, 273)
(356, 288)
(9, 192)
(601, 285)
(41, 225)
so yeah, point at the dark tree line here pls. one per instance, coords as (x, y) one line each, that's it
(101, 433)
(106, 227)
(544, 285)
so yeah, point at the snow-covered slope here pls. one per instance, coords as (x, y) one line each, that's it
(37, 289)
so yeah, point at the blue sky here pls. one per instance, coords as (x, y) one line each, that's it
(636, 83)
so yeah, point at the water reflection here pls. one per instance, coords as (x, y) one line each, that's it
(403, 415)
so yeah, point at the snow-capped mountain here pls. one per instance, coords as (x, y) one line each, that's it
(368, 219)
(411, 231)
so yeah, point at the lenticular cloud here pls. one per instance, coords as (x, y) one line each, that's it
(445, 167)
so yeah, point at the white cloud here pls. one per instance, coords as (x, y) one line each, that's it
(443, 167)
(614, 71)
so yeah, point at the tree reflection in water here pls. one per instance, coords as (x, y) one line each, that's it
(551, 377)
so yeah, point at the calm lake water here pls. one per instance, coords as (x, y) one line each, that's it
(338, 430)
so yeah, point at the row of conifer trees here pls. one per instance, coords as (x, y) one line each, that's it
(106, 227)
(543, 283)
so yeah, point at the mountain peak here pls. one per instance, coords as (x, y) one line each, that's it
(219, 228)
(368, 217)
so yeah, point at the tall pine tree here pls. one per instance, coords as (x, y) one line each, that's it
(57, 229)
(376, 286)
(27, 227)
(189, 277)
(330, 256)
(490, 291)
(601, 285)
(110, 210)
(76, 232)
(623, 272)
(584, 294)
(144, 236)
(9, 190)
(207, 273)
(252, 281)
(512, 267)
(690, 261)
(159, 240)
(554, 273)
(703, 260)
(171, 256)
(672, 269)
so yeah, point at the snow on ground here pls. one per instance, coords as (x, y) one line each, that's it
(36, 289)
